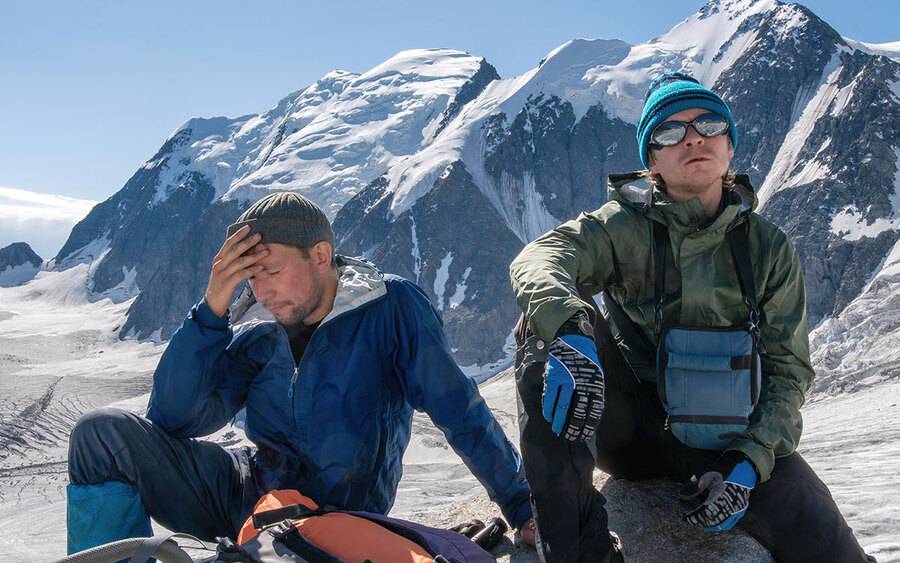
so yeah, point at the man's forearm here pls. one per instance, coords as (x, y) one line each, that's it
(183, 398)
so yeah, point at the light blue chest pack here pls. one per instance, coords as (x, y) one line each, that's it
(709, 378)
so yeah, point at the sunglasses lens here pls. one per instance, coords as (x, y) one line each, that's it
(668, 133)
(672, 132)
(710, 125)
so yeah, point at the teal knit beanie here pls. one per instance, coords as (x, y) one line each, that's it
(671, 93)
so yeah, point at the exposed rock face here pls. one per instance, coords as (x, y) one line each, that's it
(453, 244)
(181, 280)
(468, 92)
(18, 254)
(766, 86)
(545, 154)
(844, 224)
(131, 231)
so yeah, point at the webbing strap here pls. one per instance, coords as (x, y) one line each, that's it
(739, 240)
(276, 515)
(661, 244)
(707, 363)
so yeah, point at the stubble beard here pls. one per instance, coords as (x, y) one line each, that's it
(293, 320)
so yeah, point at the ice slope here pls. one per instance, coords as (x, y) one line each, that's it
(59, 357)
(787, 171)
(858, 347)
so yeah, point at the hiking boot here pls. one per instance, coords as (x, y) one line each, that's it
(614, 555)
(469, 528)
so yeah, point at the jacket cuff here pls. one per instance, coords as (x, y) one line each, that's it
(760, 456)
(522, 515)
(545, 326)
(203, 316)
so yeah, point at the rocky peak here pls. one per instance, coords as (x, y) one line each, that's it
(18, 264)
(18, 254)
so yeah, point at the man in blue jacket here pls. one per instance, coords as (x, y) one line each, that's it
(329, 358)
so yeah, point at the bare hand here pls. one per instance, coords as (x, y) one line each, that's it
(232, 265)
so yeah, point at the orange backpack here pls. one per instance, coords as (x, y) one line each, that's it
(287, 520)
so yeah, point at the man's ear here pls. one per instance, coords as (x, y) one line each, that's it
(321, 253)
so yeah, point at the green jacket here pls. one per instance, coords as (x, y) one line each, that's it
(612, 249)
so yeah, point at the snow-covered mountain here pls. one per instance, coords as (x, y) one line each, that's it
(437, 169)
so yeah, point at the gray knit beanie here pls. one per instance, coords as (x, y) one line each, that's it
(286, 218)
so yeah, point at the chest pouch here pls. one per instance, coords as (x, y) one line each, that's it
(708, 382)
(709, 379)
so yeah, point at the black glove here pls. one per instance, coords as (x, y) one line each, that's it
(720, 497)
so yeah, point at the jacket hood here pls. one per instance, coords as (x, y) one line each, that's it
(359, 283)
(635, 191)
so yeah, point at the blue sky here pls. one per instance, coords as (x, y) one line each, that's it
(90, 90)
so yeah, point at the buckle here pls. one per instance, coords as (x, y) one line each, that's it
(282, 529)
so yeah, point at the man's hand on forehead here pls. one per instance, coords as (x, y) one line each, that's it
(235, 262)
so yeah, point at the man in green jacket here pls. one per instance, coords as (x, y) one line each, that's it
(678, 258)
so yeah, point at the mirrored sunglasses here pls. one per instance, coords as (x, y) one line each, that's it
(671, 133)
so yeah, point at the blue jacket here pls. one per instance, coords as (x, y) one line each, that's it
(336, 423)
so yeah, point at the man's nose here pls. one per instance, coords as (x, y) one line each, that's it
(691, 136)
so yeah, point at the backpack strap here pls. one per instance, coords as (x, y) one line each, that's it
(739, 240)
(660, 246)
(150, 546)
(290, 512)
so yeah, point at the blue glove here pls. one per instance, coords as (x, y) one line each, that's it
(573, 387)
(723, 501)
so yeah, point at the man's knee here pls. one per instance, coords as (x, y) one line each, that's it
(103, 424)
(96, 438)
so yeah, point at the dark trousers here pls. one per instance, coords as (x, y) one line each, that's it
(186, 485)
(792, 514)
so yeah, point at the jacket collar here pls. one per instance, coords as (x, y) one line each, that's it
(633, 190)
(359, 283)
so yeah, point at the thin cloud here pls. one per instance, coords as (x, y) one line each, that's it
(44, 221)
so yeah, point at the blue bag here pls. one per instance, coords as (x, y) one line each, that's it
(708, 382)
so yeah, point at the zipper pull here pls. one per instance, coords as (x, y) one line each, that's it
(293, 380)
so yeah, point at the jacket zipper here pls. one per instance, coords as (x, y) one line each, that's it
(293, 381)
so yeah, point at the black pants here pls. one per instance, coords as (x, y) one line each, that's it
(792, 514)
(186, 485)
